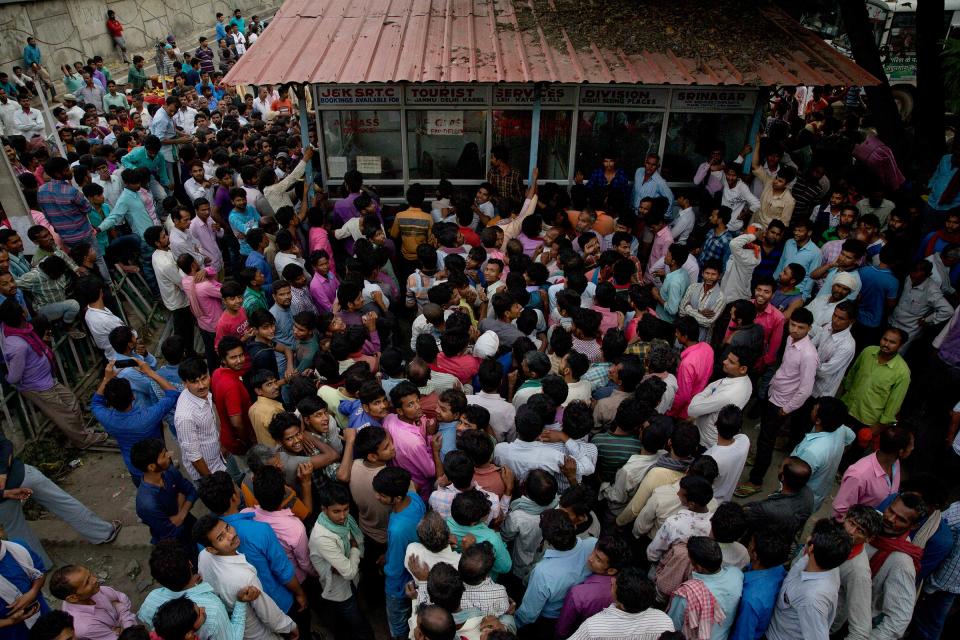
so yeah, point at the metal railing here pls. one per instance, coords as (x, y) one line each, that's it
(79, 363)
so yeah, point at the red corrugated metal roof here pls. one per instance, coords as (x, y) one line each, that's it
(354, 41)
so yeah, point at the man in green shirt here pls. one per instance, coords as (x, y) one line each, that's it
(114, 99)
(876, 384)
(136, 76)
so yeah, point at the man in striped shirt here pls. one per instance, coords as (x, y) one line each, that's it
(198, 429)
(63, 204)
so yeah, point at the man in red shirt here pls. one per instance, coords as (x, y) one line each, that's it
(230, 396)
(771, 319)
(115, 29)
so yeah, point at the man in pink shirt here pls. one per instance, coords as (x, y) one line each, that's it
(771, 319)
(872, 479)
(662, 239)
(269, 489)
(203, 292)
(696, 365)
(98, 611)
(790, 387)
(412, 434)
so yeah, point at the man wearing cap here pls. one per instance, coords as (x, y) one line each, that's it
(823, 305)
(74, 111)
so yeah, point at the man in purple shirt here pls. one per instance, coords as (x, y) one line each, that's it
(324, 284)
(790, 387)
(344, 209)
(594, 594)
(30, 369)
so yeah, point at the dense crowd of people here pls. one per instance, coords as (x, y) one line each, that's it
(509, 410)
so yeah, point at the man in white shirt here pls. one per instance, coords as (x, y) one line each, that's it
(8, 111)
(527, 452)
(197, 186)
(100, 320)
(730, 452)
(28, 122)
(111, 184)
(169, 280)
(683, 224)
(502, 413)
(75, 112)
(230, 575)
(734, 389)
(737, 195)
(185, 117)
(181, 241)
(140, 110)
(835, 348)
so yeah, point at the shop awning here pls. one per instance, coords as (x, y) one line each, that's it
(694, 42)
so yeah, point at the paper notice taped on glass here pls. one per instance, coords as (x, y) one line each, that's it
(337, 166)
(369, 165)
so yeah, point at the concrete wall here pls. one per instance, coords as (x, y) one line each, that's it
(69, 30)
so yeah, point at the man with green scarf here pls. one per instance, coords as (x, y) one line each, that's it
(336, 546)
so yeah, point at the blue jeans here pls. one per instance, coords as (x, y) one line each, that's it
(931, 613)
(398, 616)
(66, 310)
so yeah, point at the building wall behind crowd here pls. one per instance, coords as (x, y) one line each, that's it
(75, 29)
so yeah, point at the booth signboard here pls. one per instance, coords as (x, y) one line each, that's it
(714, 99)
(447, 94)
(524, 95)
(631, 96)
(359, 95)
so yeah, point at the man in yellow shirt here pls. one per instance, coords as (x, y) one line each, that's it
(412, 227)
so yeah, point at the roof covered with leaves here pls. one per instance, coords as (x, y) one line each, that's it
(692, 42)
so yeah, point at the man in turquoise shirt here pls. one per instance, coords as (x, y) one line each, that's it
(171, 564)
(823, 447)
(564, 565)
(800, 250)
(468, 515)
(148, 156)
(724, 583)
(129, 207)
(392, 487)
(675, 283)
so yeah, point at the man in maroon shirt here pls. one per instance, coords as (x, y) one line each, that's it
(231, 397)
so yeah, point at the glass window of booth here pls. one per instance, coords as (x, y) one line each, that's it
(368, 141)
(446, 143)
(512, 128)
(691, 137)
(629, 134)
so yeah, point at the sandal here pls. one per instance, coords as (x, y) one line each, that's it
(746, 489)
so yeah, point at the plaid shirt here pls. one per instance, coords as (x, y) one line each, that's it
(620, 182)
(507, 186)
(66, 209)
(716, 247)
(45, 291)
(598, 375)
(488, 597)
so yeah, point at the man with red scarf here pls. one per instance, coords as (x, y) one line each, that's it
(30, 369)
(894, 565)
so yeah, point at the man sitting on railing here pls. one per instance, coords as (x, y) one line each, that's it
(30, 369)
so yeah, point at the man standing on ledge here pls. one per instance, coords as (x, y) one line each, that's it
(506, 180)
